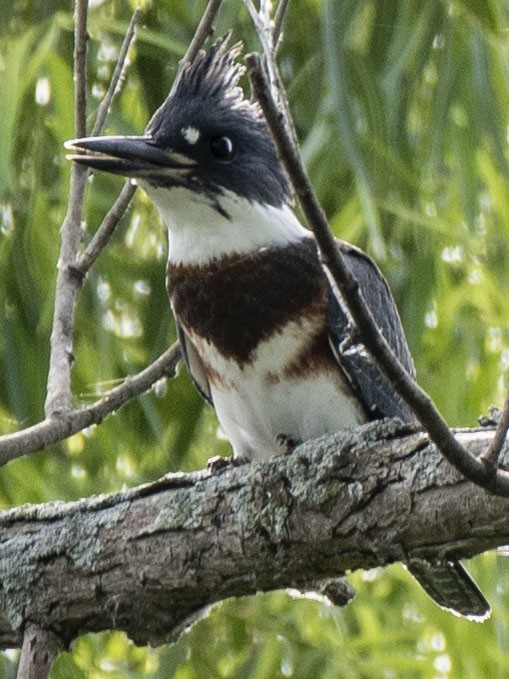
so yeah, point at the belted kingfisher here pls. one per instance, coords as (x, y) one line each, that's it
(265, 334)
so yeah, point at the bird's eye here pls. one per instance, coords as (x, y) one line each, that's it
(222, 148)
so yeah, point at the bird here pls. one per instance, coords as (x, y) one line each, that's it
(265, 333)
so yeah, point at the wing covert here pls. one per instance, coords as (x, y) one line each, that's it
(367, 380)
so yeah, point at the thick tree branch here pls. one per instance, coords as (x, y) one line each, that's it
(146, 559)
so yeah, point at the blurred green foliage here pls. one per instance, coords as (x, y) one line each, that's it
(401, 109)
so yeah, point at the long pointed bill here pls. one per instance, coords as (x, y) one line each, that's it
(128, 156)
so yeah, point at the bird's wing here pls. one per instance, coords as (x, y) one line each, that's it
(368, 382)
(447, 582)
(194, 365)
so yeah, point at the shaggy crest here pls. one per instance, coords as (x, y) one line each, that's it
(208, 84)
(214, 75)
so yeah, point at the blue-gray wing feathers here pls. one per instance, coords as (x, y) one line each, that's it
(447, 582)
(366, 379)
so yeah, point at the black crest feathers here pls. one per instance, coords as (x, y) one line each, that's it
(208, 102)
(214, 75)
(207, 85)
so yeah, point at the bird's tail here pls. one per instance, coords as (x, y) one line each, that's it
(449, 584)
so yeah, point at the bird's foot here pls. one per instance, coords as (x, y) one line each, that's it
(491, 419)
(288, 442)
(217, 464)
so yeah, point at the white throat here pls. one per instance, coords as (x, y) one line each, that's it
(198, 232)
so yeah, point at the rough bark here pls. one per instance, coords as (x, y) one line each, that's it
(146, 559)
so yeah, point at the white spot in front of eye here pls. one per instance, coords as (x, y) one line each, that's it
(190, 134)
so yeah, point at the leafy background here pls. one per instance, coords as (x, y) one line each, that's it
(401, 109)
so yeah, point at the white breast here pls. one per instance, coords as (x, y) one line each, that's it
(255, 403)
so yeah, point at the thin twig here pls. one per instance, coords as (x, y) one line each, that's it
(265, 30)
(39, 650)
(53, 430)
(58, 396)
(492, 455)
(372, 339)
(203, 31)
(110, 222)
(264, 27)
(80, 67)
(118, 75)
(88, 257)
(279, 19)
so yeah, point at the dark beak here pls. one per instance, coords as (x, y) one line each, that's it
(129, 156)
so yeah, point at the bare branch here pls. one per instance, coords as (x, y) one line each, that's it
(375, 343)
(55, 429)
(105, 231)
(58, 396)
(40, 648)
(61, 357)
(69, 279)
(80, 67)
(262, 20)
(85, 261)
(203, 31)
(58, 399)
(118, 75)
(267, 35)
(279, 19)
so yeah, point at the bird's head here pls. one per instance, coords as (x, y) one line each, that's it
(206, 138)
